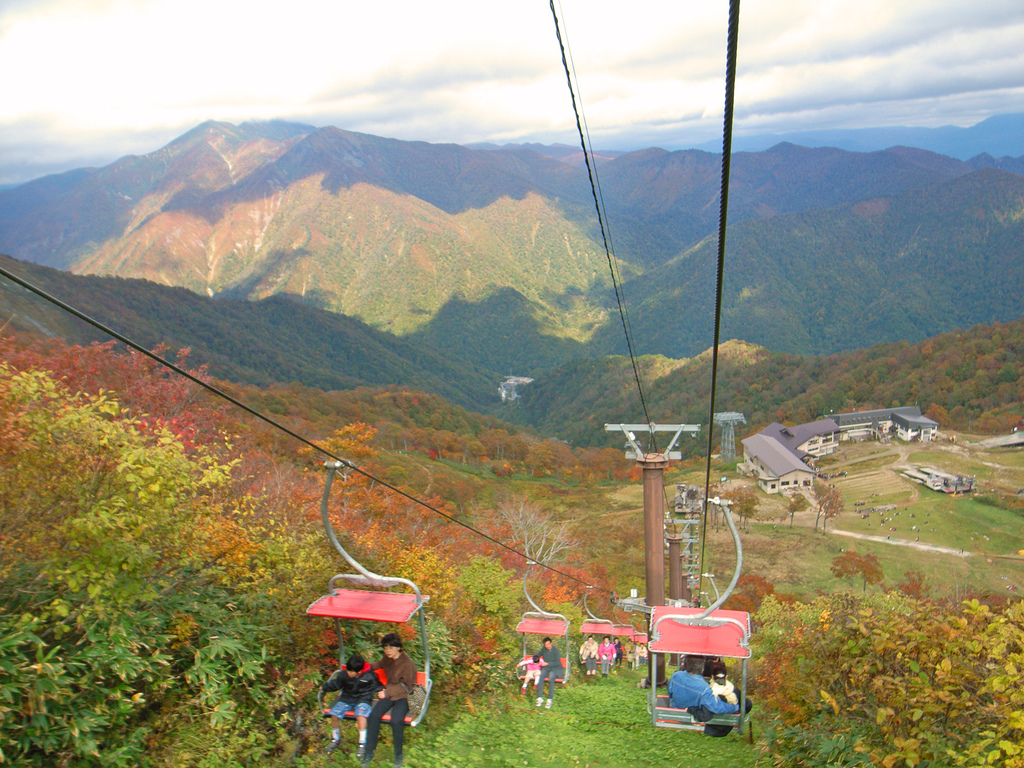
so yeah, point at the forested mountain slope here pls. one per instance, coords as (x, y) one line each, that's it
(894, 268)
(409, 236)
(973, 377)
(274, 340)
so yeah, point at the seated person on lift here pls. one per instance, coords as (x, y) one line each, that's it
(357, 686)
(687, 689)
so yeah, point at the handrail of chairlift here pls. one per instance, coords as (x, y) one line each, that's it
(365, 576)
(739, 559)
(542, 613)
(590, 613)
(721, 598)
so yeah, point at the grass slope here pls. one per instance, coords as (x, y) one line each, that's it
(594, 723)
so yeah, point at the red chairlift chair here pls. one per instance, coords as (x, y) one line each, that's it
(372, 604)
(707, 632)
(544, 623)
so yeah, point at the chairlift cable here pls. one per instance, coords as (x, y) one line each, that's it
(251, 411)
(591, 175)
(730, 98)
(603, 208)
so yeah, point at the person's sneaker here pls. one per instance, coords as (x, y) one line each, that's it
(397, 763)
(361, 752)
(333, 746)
(366, 759)
(540, 700)
(548, 706)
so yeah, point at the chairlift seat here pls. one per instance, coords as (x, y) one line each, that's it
(395, 607)
(596, 627)
(666, 716)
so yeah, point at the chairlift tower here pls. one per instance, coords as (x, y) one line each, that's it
(688, 503)
(653, 464)
(729, 420)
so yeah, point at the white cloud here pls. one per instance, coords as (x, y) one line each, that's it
(94, 76)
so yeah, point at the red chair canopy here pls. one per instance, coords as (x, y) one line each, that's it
(364, 604)
(721, 633)
(553, 627)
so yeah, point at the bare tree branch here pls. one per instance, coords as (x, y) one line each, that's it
(534, 532)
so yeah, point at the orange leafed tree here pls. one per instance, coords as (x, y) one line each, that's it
(852, 564)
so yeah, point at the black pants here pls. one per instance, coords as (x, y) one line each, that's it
(704, 714)
(399, 709)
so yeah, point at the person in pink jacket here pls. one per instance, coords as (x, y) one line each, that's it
(606, 652)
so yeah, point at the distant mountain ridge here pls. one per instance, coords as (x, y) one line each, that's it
(496, 252)
(999, 136)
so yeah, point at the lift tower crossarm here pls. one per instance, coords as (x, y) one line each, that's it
(629, 431)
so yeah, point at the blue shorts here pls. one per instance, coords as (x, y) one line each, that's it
(341, 708)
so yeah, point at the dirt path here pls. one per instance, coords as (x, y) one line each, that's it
(903, 543)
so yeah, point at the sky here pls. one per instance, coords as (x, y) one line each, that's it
(87, 81)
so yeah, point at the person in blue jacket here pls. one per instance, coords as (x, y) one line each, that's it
(687, 689)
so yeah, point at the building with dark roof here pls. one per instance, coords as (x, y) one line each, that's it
(905, 422)
(816, 438)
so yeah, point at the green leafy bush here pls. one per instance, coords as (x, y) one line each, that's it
(892, 681)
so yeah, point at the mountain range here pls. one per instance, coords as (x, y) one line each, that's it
(495, 254)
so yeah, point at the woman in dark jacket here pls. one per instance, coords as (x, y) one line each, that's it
(401, 677)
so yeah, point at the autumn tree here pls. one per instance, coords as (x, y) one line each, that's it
(796, 504)
(743, 503)
(750, 592)
(852, 564)
(830, 504)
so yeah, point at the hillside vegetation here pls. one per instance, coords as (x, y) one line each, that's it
(967, 379)
(972, 379)
(275, 340)
(154, 587)
(901, 267)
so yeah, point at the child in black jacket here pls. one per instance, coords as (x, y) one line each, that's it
(357, 685)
